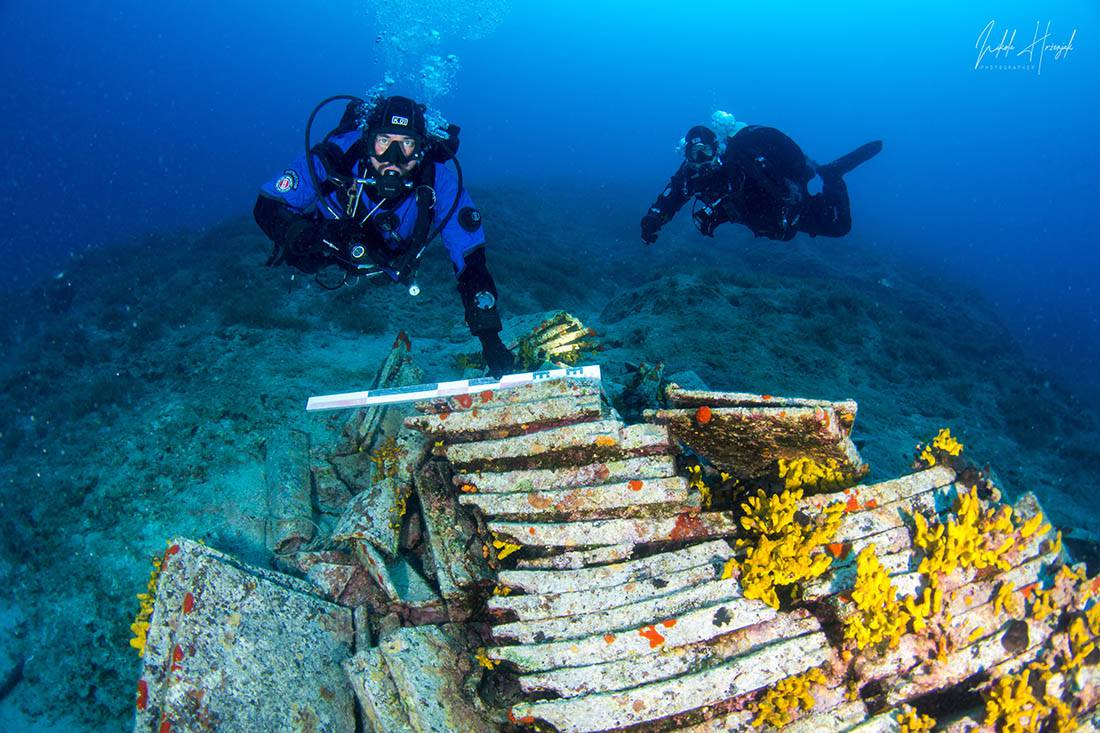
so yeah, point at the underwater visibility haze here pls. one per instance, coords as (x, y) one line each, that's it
(150, 356)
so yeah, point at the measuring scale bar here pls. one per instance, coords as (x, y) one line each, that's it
(416, 392)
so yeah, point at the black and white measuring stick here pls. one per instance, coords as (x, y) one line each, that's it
(444, 389)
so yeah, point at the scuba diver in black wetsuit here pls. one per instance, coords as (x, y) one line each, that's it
(757, 177)
(377, 193)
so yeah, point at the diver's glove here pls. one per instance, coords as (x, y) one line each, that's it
(335, 237)
(327, 237)
(650, 226)
(310, 245)
(497, 356)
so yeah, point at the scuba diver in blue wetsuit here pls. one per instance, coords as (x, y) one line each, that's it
(377, 193)
(757, 177)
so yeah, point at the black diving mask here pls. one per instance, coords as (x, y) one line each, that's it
(391, 184)
(699, 153)
(394, 152)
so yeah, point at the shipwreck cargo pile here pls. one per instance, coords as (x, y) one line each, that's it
(524, 560)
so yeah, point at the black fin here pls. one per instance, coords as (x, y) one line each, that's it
(846, 163)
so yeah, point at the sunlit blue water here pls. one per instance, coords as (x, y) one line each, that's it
(127, 117)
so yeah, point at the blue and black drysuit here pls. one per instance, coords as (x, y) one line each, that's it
(307, 235)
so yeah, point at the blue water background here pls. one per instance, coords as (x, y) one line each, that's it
(123, 118)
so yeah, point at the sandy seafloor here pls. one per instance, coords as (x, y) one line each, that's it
(141, 383)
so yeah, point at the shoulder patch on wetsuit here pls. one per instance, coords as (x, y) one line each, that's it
(469, 218)
(288, 181)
